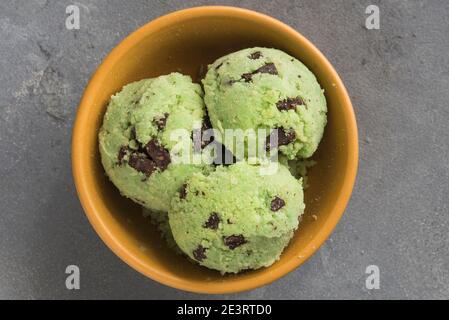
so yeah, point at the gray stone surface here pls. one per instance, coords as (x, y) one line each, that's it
(398, 78)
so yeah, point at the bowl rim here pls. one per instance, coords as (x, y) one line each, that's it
(79, 156)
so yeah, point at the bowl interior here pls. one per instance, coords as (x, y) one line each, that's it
(187, 44)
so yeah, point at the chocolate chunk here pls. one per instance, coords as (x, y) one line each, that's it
(142, 163)
(277, 203)
(161, 122)
(255, 55)
(284, 138)
(199, 253)
(268, 68)
(229, 221)
(121, 154)
(234, 241)
(248, 77)
(218, 66)
(213, 221)
(183, 191)
(159, 154)
(289, 104)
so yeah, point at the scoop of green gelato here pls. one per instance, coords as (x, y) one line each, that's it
(261, 88)
(235, 218)
(135, 142)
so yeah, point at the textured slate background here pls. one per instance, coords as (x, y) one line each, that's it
(398, 78)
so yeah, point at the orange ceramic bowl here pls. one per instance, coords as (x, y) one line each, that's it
(186, 41)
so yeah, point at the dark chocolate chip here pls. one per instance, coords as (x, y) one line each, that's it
(267, 68)
(277, 203)
(229, 221)
(199, 253)
(255, 55)
(142, 163)
(161, 122)
(284, 138)
(183, 191)
(218, 66)
(289, 104)
(159, 154)
(248, 77)
(213, 221)
(121, 154)
(234, 241)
